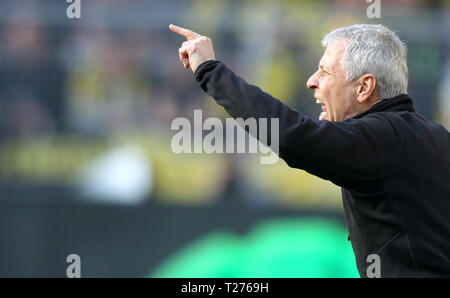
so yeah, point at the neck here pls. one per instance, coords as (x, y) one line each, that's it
(366, 105)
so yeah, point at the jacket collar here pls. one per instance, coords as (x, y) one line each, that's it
(399, 103)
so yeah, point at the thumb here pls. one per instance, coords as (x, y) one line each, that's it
(184, 55)
(185, 62)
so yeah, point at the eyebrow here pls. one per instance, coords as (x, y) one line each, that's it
(323, 68)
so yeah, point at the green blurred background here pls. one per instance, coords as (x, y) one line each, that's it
(86, 165)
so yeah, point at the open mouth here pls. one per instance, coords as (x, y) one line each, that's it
(324, 113)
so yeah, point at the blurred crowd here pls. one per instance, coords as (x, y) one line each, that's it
(115, 73)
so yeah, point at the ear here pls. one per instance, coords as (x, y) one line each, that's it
(367, 87)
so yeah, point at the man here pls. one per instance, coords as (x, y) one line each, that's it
(393, 164)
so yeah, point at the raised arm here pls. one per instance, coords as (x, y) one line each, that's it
(344, 152)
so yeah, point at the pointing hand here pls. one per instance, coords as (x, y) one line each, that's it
(195, 50)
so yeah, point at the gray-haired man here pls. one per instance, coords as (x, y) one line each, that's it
(393, 164)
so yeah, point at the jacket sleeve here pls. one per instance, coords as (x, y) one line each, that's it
(353, 153)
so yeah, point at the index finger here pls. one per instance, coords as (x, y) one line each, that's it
(189, 34)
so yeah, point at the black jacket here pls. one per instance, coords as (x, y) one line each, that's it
(393, 166)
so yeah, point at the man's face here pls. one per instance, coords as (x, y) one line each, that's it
(337, 96)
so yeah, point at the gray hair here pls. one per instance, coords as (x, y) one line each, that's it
(376, 50)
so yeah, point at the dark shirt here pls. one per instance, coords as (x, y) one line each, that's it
(392, 164)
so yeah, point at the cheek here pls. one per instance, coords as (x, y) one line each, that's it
(332, 91)
(343, 101)
(326, 87)
(337, 100)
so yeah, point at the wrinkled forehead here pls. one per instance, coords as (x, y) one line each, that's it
(333, 54)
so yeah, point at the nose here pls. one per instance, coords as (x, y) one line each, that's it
(312, 82)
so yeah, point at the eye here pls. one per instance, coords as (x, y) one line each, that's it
(323, 71)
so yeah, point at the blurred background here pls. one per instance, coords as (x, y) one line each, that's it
(86, 166)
